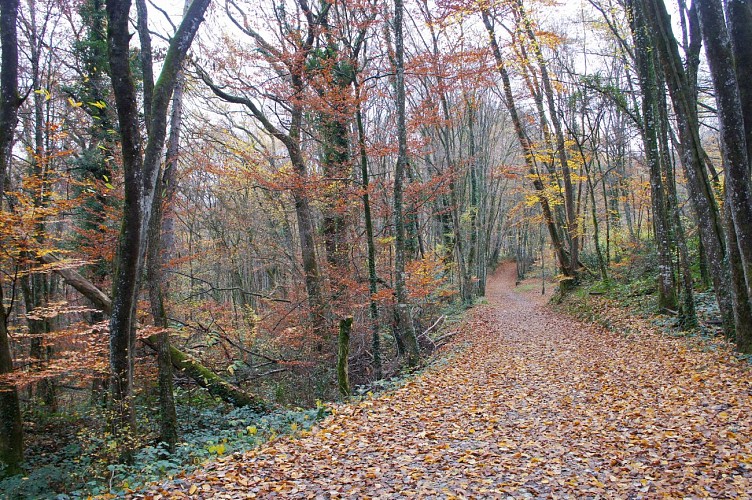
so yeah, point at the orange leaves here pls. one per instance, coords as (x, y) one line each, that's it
(427, 278)
(55, 309)
(81, 352)
(508, 171)
(36, 204)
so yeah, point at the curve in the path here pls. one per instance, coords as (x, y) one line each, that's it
(537, 405)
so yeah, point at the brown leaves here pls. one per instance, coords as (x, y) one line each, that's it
(536, 405)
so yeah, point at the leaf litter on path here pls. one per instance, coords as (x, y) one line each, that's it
(537, 406)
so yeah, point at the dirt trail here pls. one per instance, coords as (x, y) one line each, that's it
(537, 406)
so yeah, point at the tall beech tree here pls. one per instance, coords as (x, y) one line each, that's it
(405, 329)
(682, 86)
(140, 169)
(11, 429)
(161, 234)
(646, 70)
(734, 144)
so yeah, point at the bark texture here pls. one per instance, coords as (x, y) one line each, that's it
(644, 56)
(343, 351)
(405, 329)
(733, 144)
(140, 174)
(682, 88)
(11, 428)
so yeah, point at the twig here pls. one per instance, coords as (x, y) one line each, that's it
(446, 336)
(270, 372)
(213, 288)
(436, 324)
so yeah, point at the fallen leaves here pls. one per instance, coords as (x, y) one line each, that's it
(537, 405)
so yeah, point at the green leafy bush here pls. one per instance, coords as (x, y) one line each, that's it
(209, 429)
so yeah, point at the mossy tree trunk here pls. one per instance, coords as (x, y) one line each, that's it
(681, 83)
(405, 329)
(730, 107)
(646, 70)
(11, 428)
(140, 172)
(343, 351)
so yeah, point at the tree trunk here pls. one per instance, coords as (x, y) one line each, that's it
(687, 311)
(343, 351)
(372, 277)
(140, 176)
(127, 265)
(157, 260)
(648, 86)
(336, 163)
(337, 168)
(739, 291)
(473, 209)
(306, 229)
(739, 19)
(11, 428)
(405, 329)
(216, 385)
(683, 95)
(732, 125)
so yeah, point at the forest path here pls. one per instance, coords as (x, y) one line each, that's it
(537, 405)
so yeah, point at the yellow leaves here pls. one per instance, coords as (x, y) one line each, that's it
(549, 38)
(595, 482)
(385, 240)
(217, 449)
(74, 104)
(426, 277)
(44, 92)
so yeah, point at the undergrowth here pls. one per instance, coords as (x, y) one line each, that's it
(209, 429)
(630, 292)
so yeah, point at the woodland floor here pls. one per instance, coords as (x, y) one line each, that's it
(536, 405)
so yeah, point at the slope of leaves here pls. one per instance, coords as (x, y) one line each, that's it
(537, 405)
